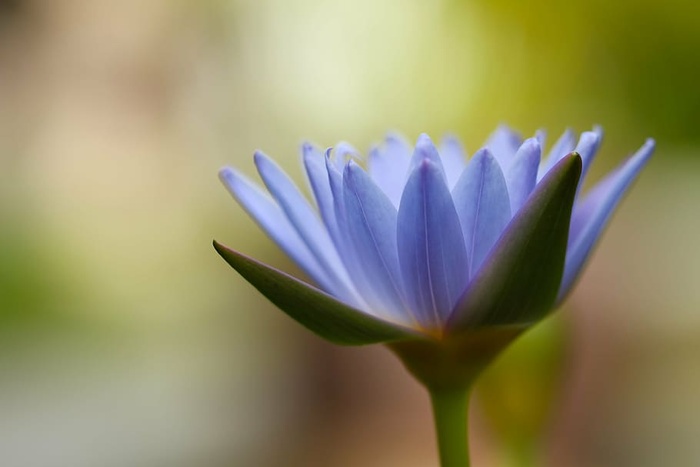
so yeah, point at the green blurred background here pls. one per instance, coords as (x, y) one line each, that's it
(126, 341)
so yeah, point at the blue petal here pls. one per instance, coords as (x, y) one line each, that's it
(503, 144)
(564, 145)
(483, 206)
(343, 152)
(454, 159)
(268, 215)
(305, 221)
(315, 164)
(431, 246)
(521, 175)
(592, 214)
(388, 166)
(371, 223)
(541, 136)
(425, 149)
(587, 147)
(374, 303)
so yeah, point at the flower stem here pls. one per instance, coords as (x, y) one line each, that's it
(450, 413)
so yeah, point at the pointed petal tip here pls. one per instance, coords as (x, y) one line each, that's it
(308, 149)
(231, 179)
(644, 153)
(226, 173)
(424, 141)
(649, 146)
(590, 137)
(350, 172)
(598, 130)
(352, 166)
(483, 153)
(260, 158)
(532, 144)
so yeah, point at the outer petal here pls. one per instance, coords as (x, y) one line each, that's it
(431, 247)
(521, 175)
(274, 222)
(454, 159)
(592, 214)
(388, 166)
(317, 311)
(518, 284)
(371, 223)
(306, 222)
(503, 144)
(481, 200)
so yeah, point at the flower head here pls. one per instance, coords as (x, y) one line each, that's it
(425, 243)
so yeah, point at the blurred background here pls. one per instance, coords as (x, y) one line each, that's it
(126, 341)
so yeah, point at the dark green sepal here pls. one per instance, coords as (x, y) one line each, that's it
(313, 308)
(518, 283)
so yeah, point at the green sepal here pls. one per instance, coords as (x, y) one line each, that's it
(313, 308)
(518, 283)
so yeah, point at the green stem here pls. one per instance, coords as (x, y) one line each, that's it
(450, 413)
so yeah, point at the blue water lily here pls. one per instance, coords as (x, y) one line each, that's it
(446, 260)
(425, 242)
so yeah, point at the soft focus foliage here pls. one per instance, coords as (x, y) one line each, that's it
(124, 339)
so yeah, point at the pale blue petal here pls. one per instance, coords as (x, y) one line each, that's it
(541, 136)
(503, 144)
(305, 220)
(521, 175)
(371, 223)
(388, 166)
(587, 147)
(425, 149)
(431, 246)
(373, 303)
(268, 215)
(454, 159)
(483, 206)
(591, 215)
(315, 164)
(564, 145)
(343, 152)
(335, 180)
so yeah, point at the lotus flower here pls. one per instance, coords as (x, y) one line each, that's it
(425, 243)
(444, 260)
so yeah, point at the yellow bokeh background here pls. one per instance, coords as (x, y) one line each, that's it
(126, 341)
